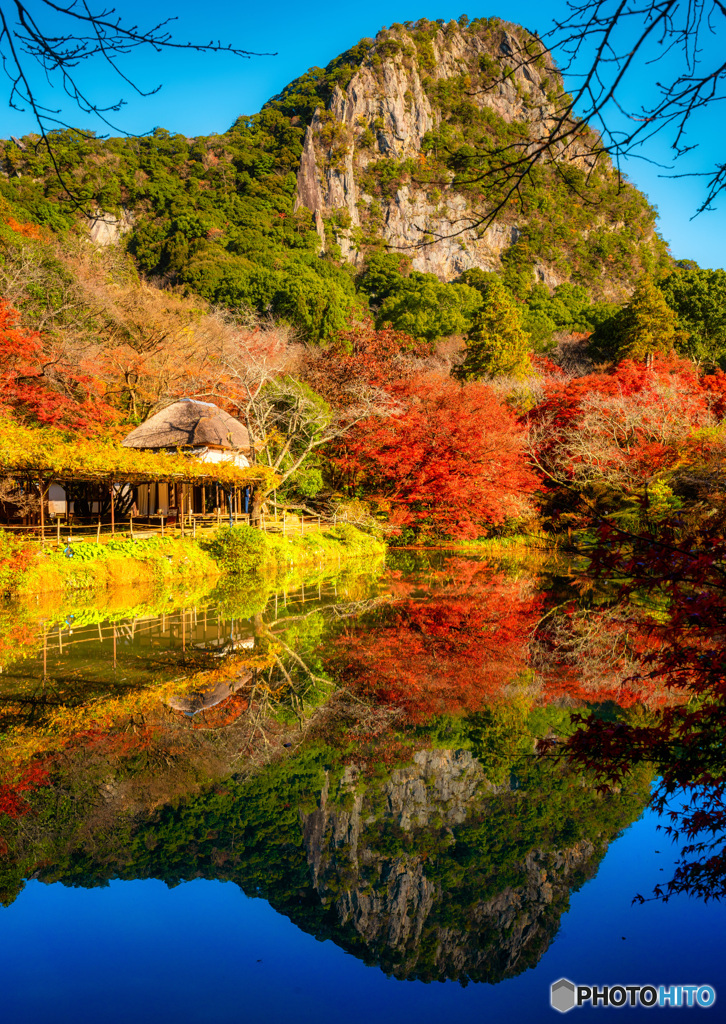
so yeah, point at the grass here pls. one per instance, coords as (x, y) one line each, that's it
(235, 555)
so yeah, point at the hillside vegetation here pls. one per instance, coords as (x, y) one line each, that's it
(222, 217)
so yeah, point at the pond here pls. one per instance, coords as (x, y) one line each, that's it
(344, 798)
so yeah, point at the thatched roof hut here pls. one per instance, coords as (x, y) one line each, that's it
(190, 424)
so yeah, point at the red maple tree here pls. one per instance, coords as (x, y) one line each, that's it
(39, 383)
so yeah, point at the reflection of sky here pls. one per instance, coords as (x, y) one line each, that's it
(138, 952)
(204, 94)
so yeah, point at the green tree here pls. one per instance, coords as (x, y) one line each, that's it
(424, 307)
(698, 297)
(497, 344)
(648, 325)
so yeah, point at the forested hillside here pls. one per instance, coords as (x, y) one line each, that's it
(340, 271)
(392, 149)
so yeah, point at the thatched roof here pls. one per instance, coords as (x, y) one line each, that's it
(189, 423)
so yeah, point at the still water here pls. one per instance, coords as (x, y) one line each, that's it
(337, 800)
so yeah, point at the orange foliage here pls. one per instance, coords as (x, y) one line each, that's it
(448, 654)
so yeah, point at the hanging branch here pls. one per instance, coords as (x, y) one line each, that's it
(32, 49)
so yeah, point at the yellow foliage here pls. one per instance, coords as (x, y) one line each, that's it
(54, 455)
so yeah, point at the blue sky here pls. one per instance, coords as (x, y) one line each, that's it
(201, 94)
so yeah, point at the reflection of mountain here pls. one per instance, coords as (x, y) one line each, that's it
(428, 871)
(389, 870)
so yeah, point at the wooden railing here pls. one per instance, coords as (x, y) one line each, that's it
(61, 529)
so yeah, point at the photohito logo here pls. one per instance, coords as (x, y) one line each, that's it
(566, 995)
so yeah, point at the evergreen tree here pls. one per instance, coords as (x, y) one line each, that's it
(698, 297)
(497, 344)
(648, 325)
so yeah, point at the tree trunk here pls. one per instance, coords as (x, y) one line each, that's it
(258, 500)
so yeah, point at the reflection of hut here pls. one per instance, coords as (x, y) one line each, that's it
(202, 700)
(200, 429)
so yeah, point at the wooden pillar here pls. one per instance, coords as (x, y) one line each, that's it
(113, 531)
(42, 511)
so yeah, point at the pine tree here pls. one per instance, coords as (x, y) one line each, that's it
(648, 325)
(497, 344)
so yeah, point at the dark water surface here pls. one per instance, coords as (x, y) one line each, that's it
(331, 802)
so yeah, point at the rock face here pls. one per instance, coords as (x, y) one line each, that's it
(403, 917)
(107, 228)
(384, 114)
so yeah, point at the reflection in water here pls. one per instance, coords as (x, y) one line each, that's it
(380, 758)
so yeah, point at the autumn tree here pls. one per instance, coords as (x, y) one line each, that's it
(497, 344)
(608, 437)
(38, 383)
(450, 462)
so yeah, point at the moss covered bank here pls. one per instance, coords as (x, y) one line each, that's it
(233, 553)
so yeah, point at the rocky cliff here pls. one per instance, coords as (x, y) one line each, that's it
(376, 866)
(409, 153)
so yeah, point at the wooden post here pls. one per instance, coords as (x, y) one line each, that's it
(57, 530)
(113, 523)
(194, 529)
(162, 524)
(204, 500)
(318, 522)
(114, 648)
(98, 530)
(42, 513)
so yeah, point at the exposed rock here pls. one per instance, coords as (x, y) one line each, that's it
(384, 113)
(392, 904)
(106, 228)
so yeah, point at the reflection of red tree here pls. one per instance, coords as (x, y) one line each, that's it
(448, 653)
(683, 739)
(29, 779)
(597, 655)
(224, 713)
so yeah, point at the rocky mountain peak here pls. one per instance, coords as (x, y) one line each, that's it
(393, 157)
